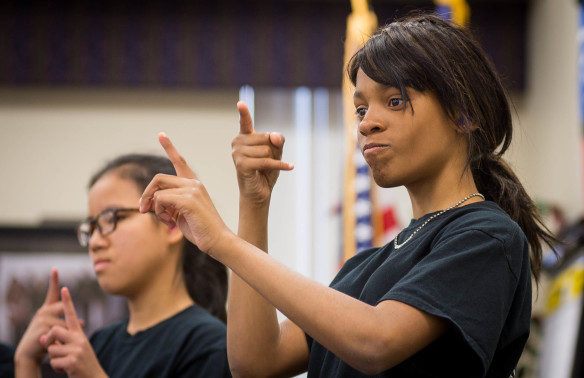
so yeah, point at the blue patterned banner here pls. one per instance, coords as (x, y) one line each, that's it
(202, 44)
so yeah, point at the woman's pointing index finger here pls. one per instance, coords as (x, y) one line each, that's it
(179, 163)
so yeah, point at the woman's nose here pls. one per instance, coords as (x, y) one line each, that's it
(370, 124)
(96, 240)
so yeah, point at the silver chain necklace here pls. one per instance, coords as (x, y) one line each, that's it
(398, 246)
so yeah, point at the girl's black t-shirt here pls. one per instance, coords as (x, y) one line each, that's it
(192, 343)
(469, 265)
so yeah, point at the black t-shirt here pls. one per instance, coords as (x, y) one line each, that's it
(469, 265)
(189, 344)
(6, 360)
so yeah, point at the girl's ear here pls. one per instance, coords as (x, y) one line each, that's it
(463, 124)
(175, 235)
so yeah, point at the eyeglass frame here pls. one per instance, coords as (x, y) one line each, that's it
(83, 235)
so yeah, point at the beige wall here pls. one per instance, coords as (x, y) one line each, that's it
(53, 140)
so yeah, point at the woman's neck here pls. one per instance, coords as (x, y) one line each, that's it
(438, 196)
(152, 307)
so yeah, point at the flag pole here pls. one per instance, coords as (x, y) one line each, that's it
(361, 23)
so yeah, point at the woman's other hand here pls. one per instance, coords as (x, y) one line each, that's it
(68, 347)
(257, 158)
(30, 352)
(183, 201)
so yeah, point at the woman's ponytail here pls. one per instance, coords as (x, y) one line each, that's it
(498, 183)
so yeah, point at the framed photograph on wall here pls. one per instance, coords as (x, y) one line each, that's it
(27, 256)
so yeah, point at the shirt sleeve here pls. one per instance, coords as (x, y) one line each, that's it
(6, 360)
(469, 278)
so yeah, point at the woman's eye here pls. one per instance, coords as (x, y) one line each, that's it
(109, 217)
(360, 112)
(396, 102)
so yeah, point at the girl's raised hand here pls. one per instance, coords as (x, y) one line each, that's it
(30, 350)
(257, 158)
(68, 347)
(183, 201)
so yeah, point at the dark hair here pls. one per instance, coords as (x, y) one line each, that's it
(428, 53)
(204, 277)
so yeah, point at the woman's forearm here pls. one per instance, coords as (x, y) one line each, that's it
(253, 331)
(320, 311)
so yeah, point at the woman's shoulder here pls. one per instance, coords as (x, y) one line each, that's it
(484, 217)
(484, 226)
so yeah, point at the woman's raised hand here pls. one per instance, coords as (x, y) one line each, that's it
(183, 201)
(29, 350)
(257, 158)
(68, 347)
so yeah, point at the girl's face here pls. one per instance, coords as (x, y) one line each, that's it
(126, 260)
(405, 147)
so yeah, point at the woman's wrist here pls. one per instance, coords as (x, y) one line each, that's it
(253, 204)
(25, 366)
(252, 213)
(223, 246)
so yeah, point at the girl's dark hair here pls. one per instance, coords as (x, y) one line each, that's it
(205, 278)
(428, 53)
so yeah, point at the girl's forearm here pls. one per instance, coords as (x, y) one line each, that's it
(253, 331)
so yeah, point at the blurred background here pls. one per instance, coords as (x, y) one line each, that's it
(83, 81)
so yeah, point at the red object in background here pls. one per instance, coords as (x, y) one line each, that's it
(389, 220)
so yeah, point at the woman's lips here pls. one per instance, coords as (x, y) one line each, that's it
(374, 147)
(100, 265)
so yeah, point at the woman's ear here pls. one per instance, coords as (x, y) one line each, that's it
(175, 235)
(463, 124)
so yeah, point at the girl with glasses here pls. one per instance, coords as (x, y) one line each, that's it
(176, 294)
(451, 295)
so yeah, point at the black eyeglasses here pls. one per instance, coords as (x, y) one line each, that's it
(105, 222)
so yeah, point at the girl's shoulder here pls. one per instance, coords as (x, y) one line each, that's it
(486, 217)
